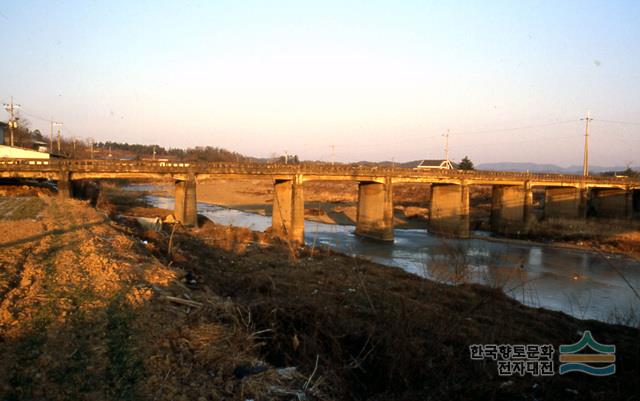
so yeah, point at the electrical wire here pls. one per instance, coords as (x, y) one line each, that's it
(434, 136)
(490, 131)
(616, 122)
(37, 117)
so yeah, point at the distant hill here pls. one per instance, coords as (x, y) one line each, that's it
(512, 166)
(547, 168)
(410, 164)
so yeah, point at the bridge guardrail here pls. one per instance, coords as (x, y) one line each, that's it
(268, 168)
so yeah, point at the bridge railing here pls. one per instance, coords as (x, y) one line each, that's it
(274, 169)
(25, 164)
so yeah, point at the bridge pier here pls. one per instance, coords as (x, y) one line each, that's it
(375, 210)
(529, 214)
(612, 203)
(510, 205)
(565, 202)
(64, 184)
(449, 210)
(287, 217)
(186, 210)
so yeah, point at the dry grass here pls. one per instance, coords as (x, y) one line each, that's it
(380, 333)
(84, 315)
(605, 235)
(89, 311)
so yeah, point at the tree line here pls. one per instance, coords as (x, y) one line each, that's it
(198, 153)
(74, 148)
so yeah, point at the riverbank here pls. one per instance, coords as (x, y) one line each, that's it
(94, 308)
(336, 203)
(88, 312)
(325, 282)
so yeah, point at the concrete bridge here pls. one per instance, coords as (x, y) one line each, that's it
(512, 197)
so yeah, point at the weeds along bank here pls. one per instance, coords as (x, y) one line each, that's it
(96, 308)
(87, 312)
(376, 332)
(606, 235)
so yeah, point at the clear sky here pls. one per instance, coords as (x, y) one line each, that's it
(376, 79)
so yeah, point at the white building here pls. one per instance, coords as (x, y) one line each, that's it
(441, 164)
(13, 152)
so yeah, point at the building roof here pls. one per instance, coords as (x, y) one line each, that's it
(437, 163)
(432, 163)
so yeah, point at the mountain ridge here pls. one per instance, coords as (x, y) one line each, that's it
(515, 167)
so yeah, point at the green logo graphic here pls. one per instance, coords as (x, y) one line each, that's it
(573, 361)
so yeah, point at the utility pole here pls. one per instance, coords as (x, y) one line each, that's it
(333, 154)
(154, 152)
(54, 124)
(446, 145)
(13, 123)
(286, 157)
(585, 162)
(59, 140)
(91, 145)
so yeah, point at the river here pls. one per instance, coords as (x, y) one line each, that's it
(580, 283)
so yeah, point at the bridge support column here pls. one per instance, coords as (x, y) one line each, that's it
(375, 210)
(186, 210)
(287, 217)
(566, 202)
(65, 187)
(449, 210)
(613, 203)
(509, 208)
(529, 214)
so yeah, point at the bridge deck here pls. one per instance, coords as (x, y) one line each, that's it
(96, 169)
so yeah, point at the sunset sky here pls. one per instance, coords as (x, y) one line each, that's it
(379, 80)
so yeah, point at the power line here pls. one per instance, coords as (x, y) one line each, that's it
(35, 116)
(423, 137)
(618, 122)
(515, 128)
(574, 136)
(433, 136)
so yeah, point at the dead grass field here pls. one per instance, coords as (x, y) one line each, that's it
(96, 309)
(86, 312)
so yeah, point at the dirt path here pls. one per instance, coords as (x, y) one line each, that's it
(67, 272)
